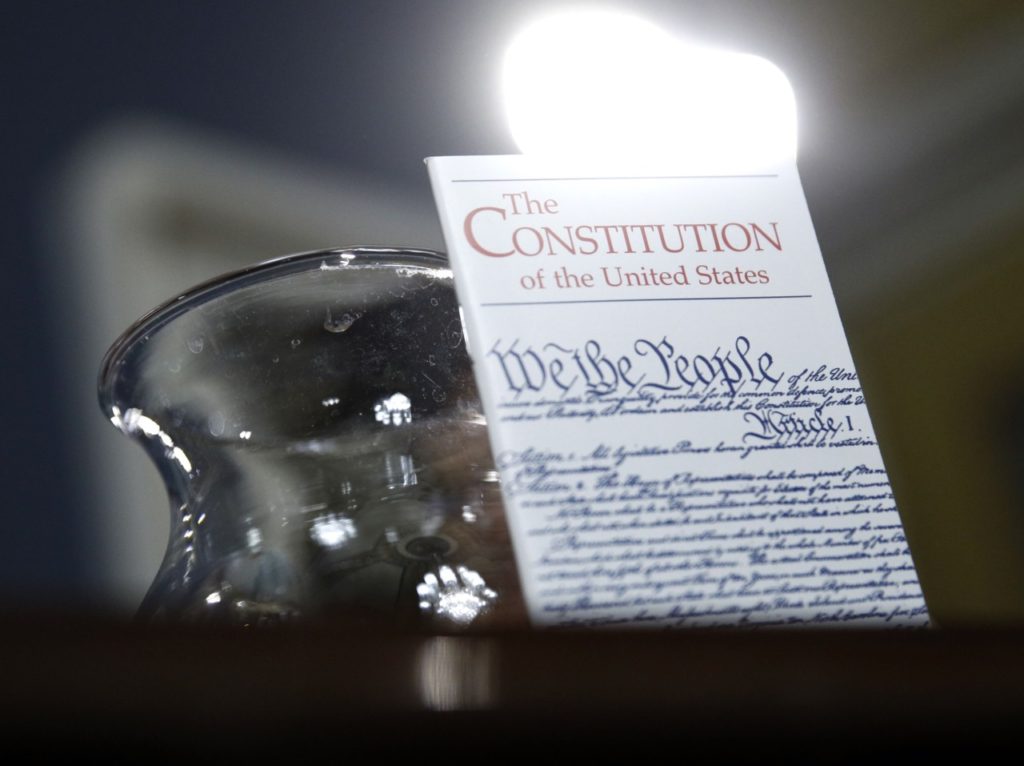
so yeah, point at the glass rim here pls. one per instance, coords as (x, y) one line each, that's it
(247, 276)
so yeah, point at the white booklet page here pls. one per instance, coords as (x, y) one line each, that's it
(680, 430)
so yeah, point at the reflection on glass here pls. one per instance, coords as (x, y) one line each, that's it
(459, 595)
(317, 425)
(333, 530)
(395, 410)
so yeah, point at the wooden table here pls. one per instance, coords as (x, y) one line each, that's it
(102, 686)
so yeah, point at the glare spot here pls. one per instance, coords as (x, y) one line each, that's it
(344, 259)
(178, 454)
(459, 595)
(395, 410)
(134, 421)
(333, 530)
(245, 435)
(746, 116)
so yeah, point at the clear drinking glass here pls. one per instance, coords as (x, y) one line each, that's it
(319, 431)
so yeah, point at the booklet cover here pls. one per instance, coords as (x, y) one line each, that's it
(679, 428)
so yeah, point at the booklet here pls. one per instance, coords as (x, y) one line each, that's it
(679, 428)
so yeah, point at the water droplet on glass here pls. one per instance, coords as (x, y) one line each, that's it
(217, 424)
(340, 324)
(438, 395)
(296, 342)
(433, 301)
(195, 345)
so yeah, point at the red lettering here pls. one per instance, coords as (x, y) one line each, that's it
(471, 236)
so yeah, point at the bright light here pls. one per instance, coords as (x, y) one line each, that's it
(333, 530)
(605, 84)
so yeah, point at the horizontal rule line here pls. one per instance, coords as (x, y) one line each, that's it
(605, 178)
(649, 300)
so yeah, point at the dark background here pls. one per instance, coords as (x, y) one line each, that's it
(910, 152)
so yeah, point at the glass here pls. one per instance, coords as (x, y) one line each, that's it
(317, 425)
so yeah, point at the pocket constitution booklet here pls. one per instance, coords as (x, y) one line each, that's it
(679, 428)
